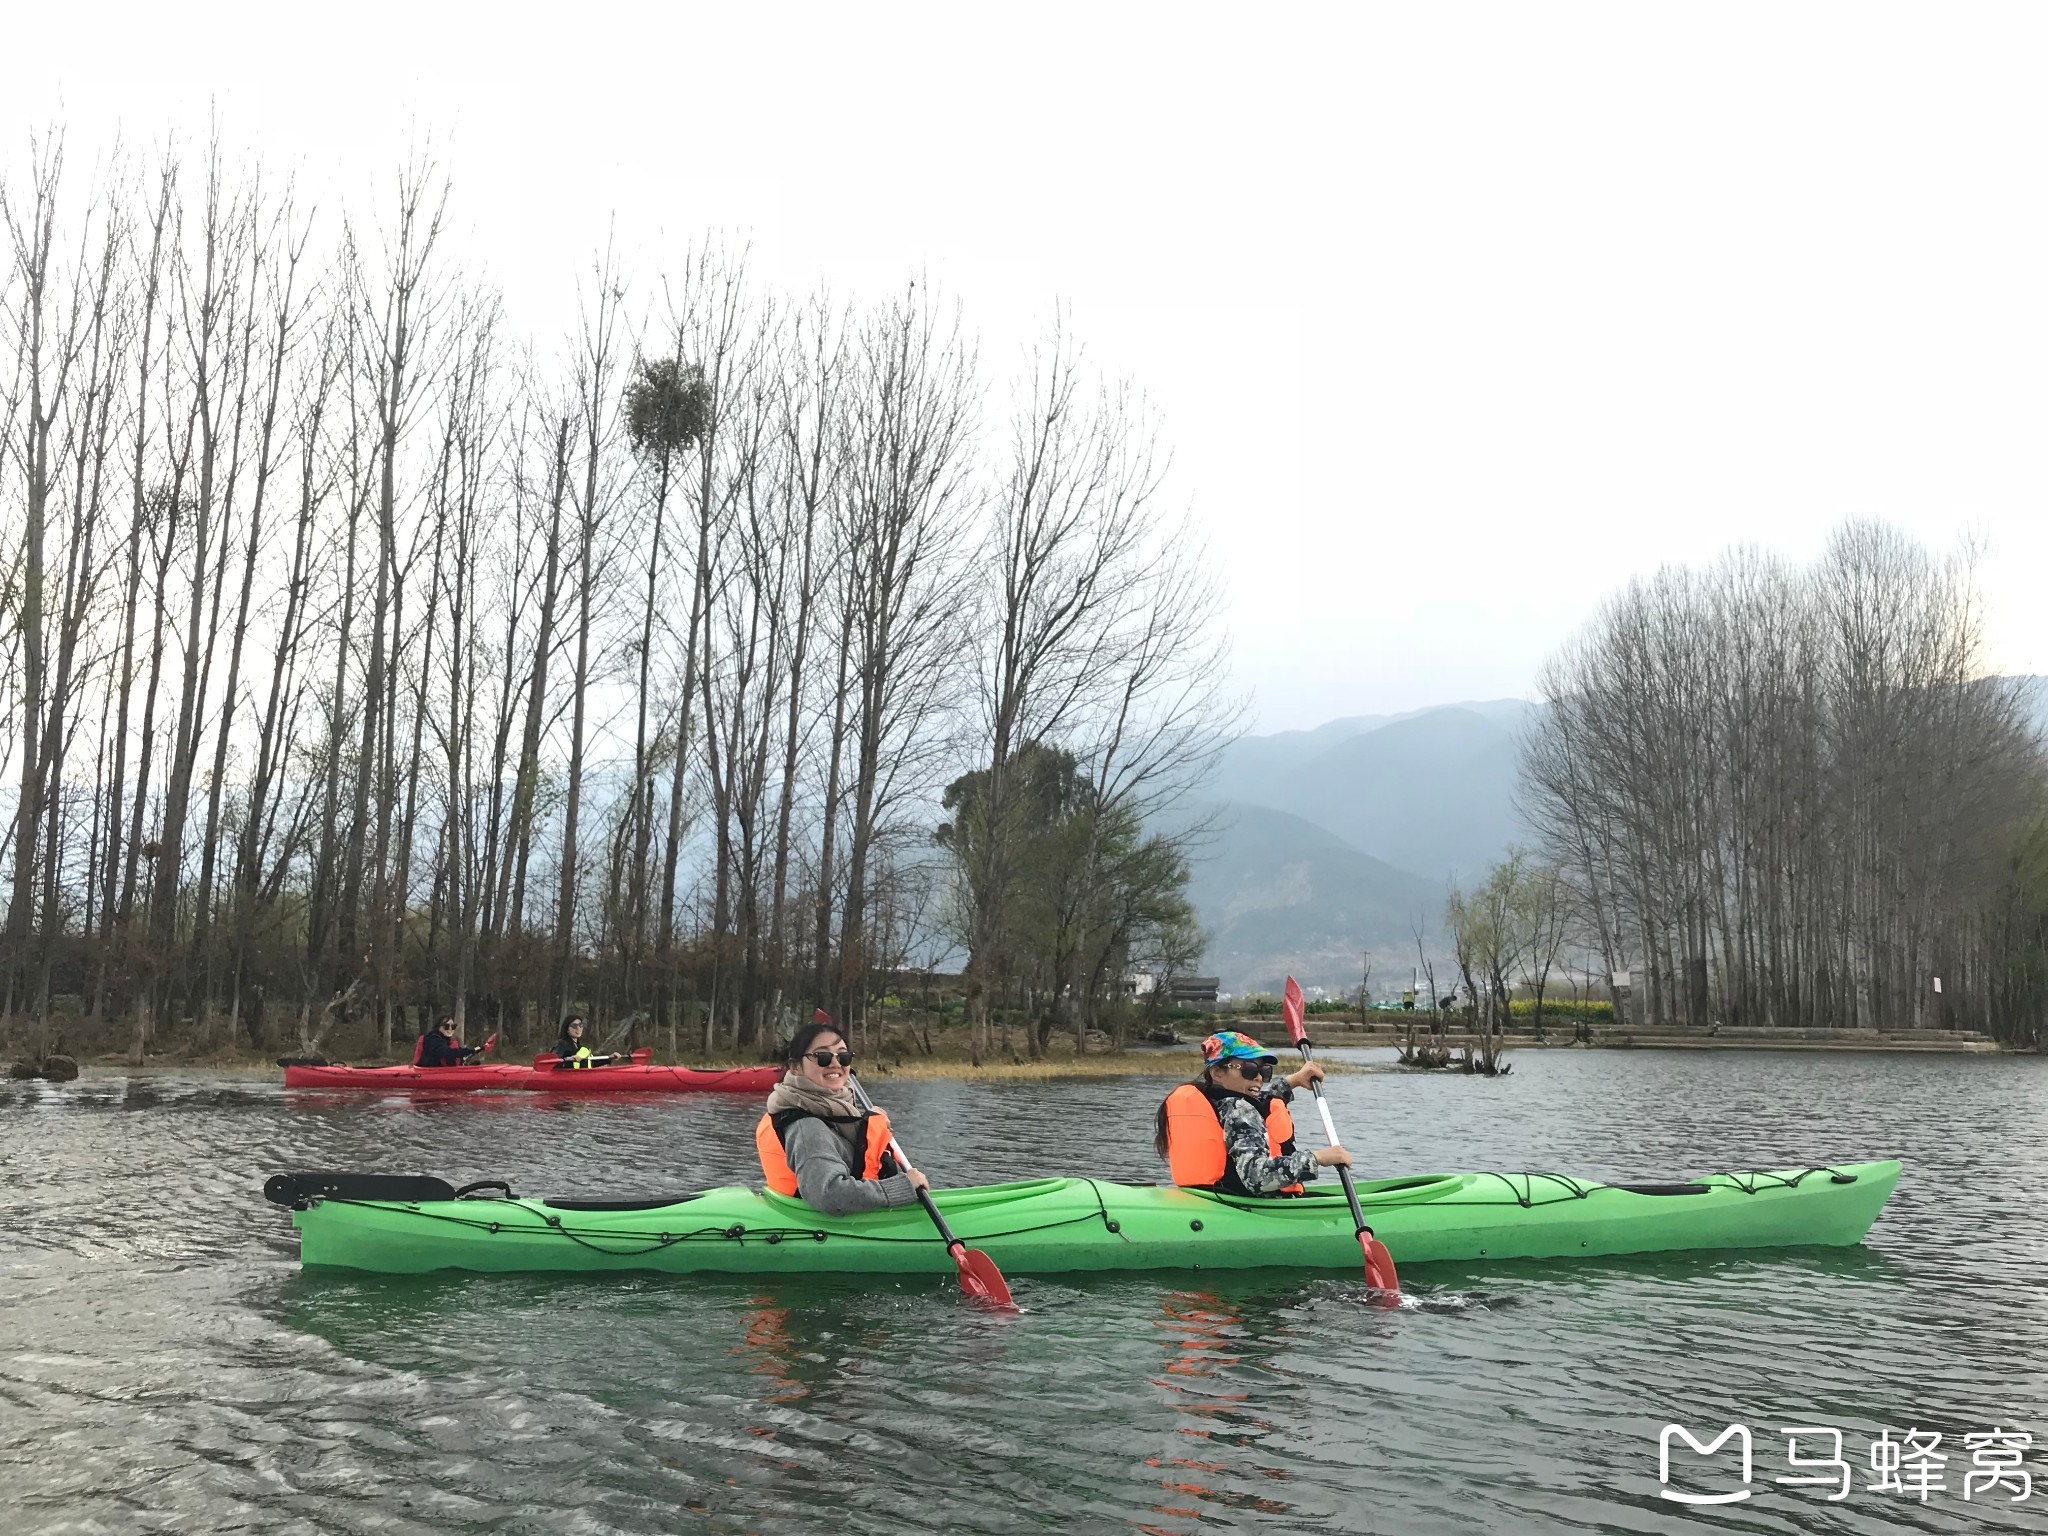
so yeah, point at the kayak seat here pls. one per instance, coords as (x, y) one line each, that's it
(1665, 1189)
(655, 1203)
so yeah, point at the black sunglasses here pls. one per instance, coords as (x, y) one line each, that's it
(826, 1058)
(1254, 1069)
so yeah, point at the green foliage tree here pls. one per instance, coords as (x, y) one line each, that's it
(1507, 927)
(1086, 888)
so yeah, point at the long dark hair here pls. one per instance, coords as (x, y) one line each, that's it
(1159, 1120)
(572, 1018)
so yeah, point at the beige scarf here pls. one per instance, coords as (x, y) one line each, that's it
(796, 1091)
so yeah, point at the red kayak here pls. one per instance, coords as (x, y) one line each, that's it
(494, 1075)
(546, 1075)
(645, 1077)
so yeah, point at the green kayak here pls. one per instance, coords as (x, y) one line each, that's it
(1050, 1226)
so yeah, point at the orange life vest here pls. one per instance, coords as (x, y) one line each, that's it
(781, 1178)
(1195, 1151)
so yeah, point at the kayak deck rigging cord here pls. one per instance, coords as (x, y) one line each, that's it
(1526, 1196)
(631, 1244)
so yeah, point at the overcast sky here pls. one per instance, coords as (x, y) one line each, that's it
(1458, 315)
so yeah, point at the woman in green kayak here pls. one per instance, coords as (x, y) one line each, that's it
(1231, 1132)
(818, 1144)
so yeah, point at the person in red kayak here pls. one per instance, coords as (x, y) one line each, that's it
(574, 1051)
(817, 1143)
(438, 1047)
(1230, 1129)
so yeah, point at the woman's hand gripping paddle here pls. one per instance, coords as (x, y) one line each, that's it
(979, 1277)
(1379, 1264)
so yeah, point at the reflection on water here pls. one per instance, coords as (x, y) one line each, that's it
(166, 1366)
(1204, 1335)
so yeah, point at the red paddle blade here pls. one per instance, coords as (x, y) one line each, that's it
(980, 1279)
(1379, 1271)
(1291, 1011)
(820, 1016)
(492, 1041)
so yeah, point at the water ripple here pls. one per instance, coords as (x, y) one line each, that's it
(165, 1366)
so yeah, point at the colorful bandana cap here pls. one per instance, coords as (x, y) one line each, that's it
(1228, 1043)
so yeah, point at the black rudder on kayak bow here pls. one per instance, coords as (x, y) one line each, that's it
(297, 1189)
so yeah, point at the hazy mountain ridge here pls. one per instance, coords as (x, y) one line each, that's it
(1333, 841)
(1281, 895)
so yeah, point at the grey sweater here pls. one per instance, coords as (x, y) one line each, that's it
(828, 1172)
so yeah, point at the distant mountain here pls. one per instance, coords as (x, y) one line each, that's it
(2033, 692)
(1433, 794)
(1253, 766)
(1430, 791)
(1334, 837)
(1331, 842)
(1280, 895)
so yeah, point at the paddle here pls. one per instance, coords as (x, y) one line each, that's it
(549, 1061)
(1379, 1264)
(980, 1280)
(979, 1277)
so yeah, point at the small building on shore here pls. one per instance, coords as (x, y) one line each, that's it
(1173, 991)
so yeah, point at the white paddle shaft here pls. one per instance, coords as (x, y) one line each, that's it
(1329, 1125)
(896, 1151)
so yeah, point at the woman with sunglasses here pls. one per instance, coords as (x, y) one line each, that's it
(818, 1144)
(438, 1047)
(1230, 1131)
(572, 1049)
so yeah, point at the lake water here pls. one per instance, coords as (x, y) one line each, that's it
(166, 1366)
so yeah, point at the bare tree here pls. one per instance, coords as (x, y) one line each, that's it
(389, 632)
(598, 361)
(1777, 796)
(1095, 626)
(906, 504)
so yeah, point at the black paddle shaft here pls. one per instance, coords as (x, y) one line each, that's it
(1343, 1173)
(931, 1209)
(924, 1196)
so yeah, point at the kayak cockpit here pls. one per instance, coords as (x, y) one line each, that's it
(1373, 1194)
(969, 1199)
